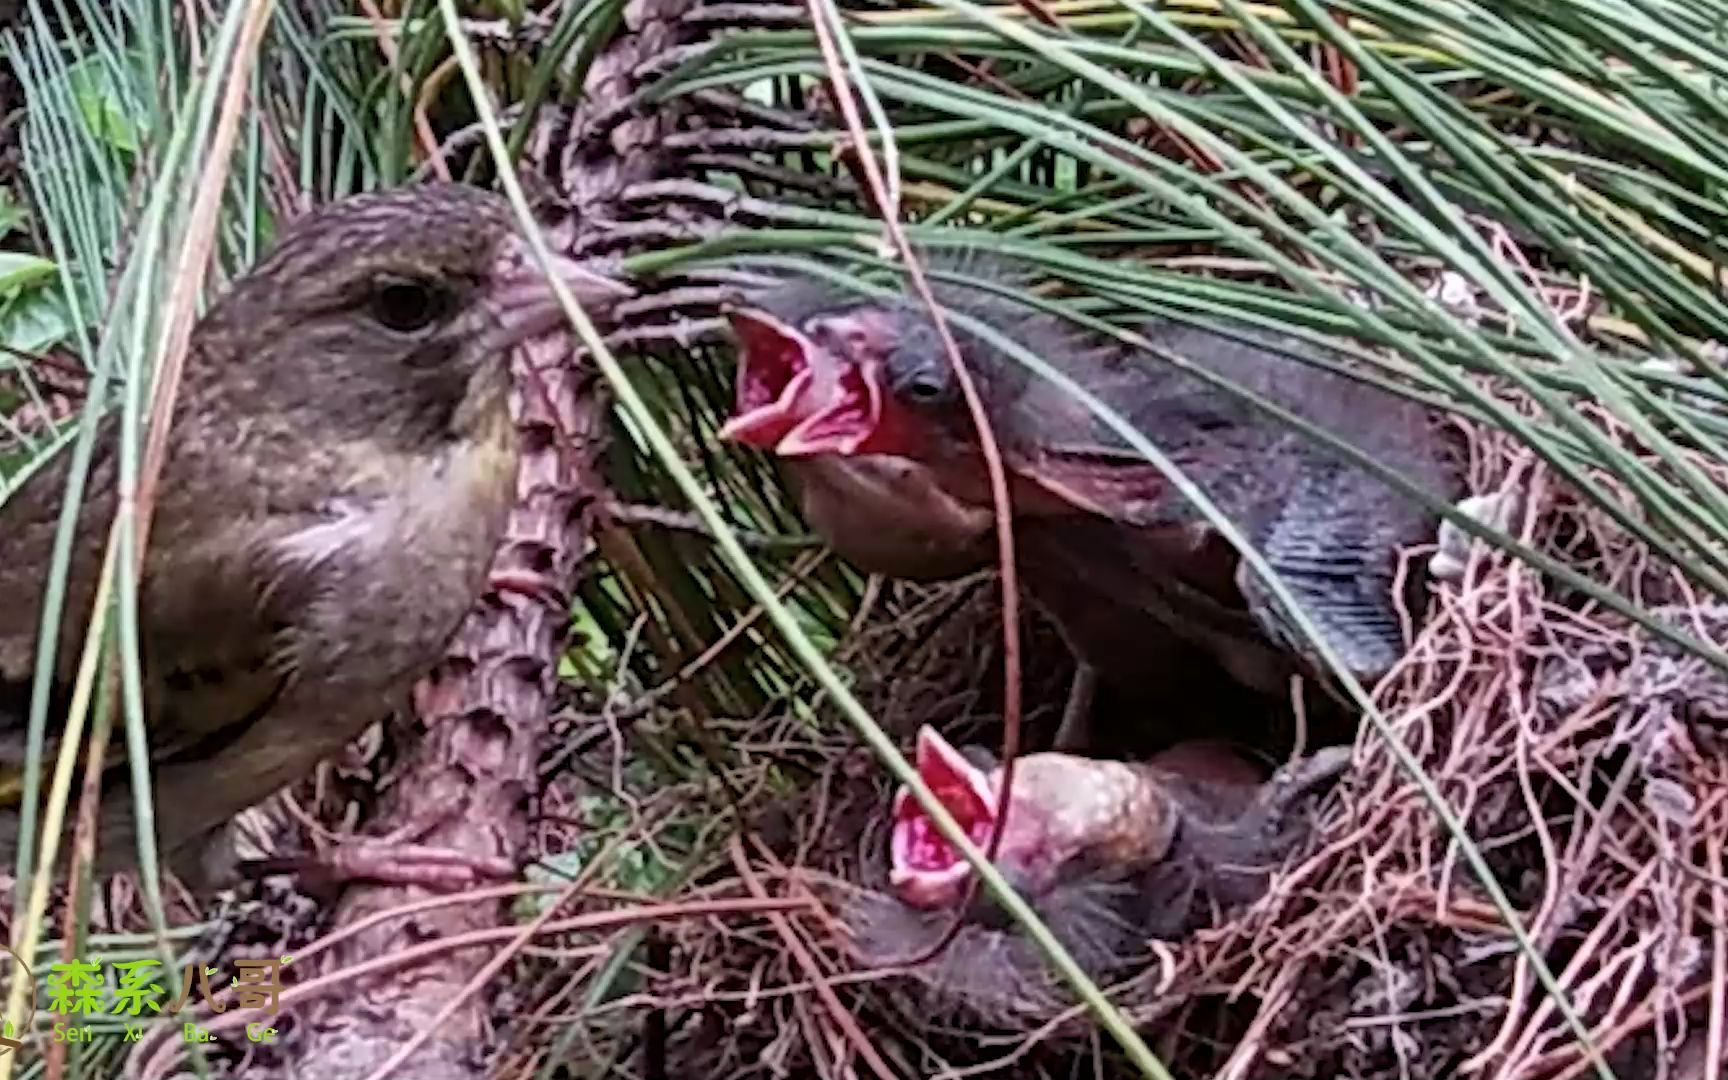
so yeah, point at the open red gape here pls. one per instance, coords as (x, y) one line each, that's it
(924, 868)
(847, 423)
(798, 399)
(774, 376)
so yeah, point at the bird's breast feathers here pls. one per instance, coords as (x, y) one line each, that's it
(392, 496)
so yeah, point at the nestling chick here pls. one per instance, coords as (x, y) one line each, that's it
(340, 468)
(1109, 854)
(1117, 556)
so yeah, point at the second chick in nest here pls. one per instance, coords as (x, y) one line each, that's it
(1110, 854)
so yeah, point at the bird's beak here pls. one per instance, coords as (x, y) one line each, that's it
(527, 303)
(775, 379)
(798, 399)
(925, 870)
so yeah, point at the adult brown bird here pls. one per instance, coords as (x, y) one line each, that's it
(1136, 576)
(1110, 854)
(340, 468)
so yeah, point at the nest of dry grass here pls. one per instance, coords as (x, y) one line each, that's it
(1584, 754)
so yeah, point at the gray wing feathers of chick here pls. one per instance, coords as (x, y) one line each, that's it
(1330, 528)
(1327, 526)
(1325, 548)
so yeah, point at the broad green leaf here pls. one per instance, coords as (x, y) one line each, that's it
(34, 321)
(19, 271)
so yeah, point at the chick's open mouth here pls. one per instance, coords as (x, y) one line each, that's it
(797, 399)
(925, 870)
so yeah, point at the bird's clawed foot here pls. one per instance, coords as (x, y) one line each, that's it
(1297, 780)
(1244, 852)
(386, 862)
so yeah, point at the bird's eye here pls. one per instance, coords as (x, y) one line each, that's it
(406, 305)
(926, 388)
(919, 380)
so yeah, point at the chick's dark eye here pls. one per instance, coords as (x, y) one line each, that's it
(406, 306)
(916, 379)
(925, 388)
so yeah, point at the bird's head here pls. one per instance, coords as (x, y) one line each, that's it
(387, 315)
(1065, 815)
(875, 378)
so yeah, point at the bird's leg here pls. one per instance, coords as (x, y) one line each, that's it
(1272, 820)
(1239, 856)
(391, 860)
(1075, 732)
(532, 585)
(384, 863)
(1298, 779)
